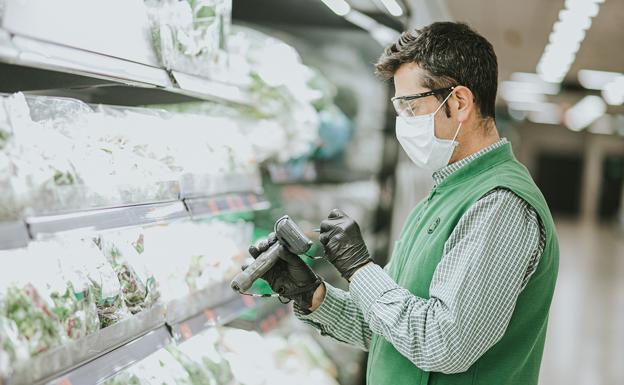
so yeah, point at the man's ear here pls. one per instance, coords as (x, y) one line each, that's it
(464, 102)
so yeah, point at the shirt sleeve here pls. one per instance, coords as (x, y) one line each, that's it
(487, 261)
(338, 317)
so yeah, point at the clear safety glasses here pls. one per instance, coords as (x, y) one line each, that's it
(412, 105)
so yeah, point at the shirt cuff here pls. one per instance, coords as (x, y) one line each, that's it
(368, 285)
(328, 309)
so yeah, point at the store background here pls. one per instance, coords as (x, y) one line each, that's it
(348, 159)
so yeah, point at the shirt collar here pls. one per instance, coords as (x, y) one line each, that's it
(446, 171)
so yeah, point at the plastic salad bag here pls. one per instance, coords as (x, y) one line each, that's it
(63, 282)
(104, 284)
(198, 374)
(191, 35)
(13, 347)
(124, 250)
(202, 350)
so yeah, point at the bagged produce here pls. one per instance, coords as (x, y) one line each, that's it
(63, 281)
(202, 349)
(35, 321)
(124, 252)
(104, 284)
(24, 301)
(198, 374)
(190, 36)
(206, 254)
(161, 368)
(13, 347)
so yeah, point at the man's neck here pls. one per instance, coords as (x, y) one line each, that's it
(475, 143)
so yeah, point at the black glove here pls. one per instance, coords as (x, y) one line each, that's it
(343, 243)
(290, 277)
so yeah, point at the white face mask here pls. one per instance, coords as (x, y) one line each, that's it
(417, 137)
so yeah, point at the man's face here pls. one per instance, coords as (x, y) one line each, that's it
(408, 81)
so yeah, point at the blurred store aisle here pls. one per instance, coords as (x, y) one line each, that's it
(585, 342)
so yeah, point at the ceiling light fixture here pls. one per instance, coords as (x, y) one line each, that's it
(566, 38)
(339, 7)
(382, 34)
(393, 7)
(596, 80)
(585, 112)
(613, 92)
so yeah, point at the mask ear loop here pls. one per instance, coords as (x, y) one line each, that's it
(457, 132)
(444, 101)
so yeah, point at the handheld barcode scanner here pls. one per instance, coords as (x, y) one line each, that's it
(290, 236)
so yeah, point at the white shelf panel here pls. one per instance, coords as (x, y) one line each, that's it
(109, 218)
(50, 56)
(103, 73)
(106, 366)
(13, 235)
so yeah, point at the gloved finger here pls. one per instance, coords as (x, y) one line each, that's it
(336, 213)
(329, 224)
(253, 251)
(324, 238)
(262, 245)
(326, 225)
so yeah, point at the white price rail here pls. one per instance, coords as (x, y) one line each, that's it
(109, 218)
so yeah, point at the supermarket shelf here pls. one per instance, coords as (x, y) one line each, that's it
(30, 64)
(15, 234)
(109, 218)
(101, 355)
(106, 366)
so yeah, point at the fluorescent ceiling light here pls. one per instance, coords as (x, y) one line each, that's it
(393, 7)
(382, 34)
(339, 7)
(540, 87)
(613, 92)
(536, 107)
(511, 94)
(565, 39)
(585, 112)
(545, 117)
(596, 80)
(361, 20)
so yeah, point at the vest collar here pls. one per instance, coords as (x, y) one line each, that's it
(446, 171)
(483, 160)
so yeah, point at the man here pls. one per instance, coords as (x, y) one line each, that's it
(465, 297)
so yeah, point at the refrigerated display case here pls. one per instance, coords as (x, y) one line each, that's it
(134, 174)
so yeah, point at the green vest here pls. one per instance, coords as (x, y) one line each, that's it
(515, 359)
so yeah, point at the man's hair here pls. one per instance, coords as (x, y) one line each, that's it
(450, 54)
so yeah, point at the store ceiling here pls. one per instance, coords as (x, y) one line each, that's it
(519, 31)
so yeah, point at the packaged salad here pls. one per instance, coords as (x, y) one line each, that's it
(124, 251)
(66, 285)
(105, 289)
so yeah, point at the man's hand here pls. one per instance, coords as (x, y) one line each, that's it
(290, 277)
(343, 243)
